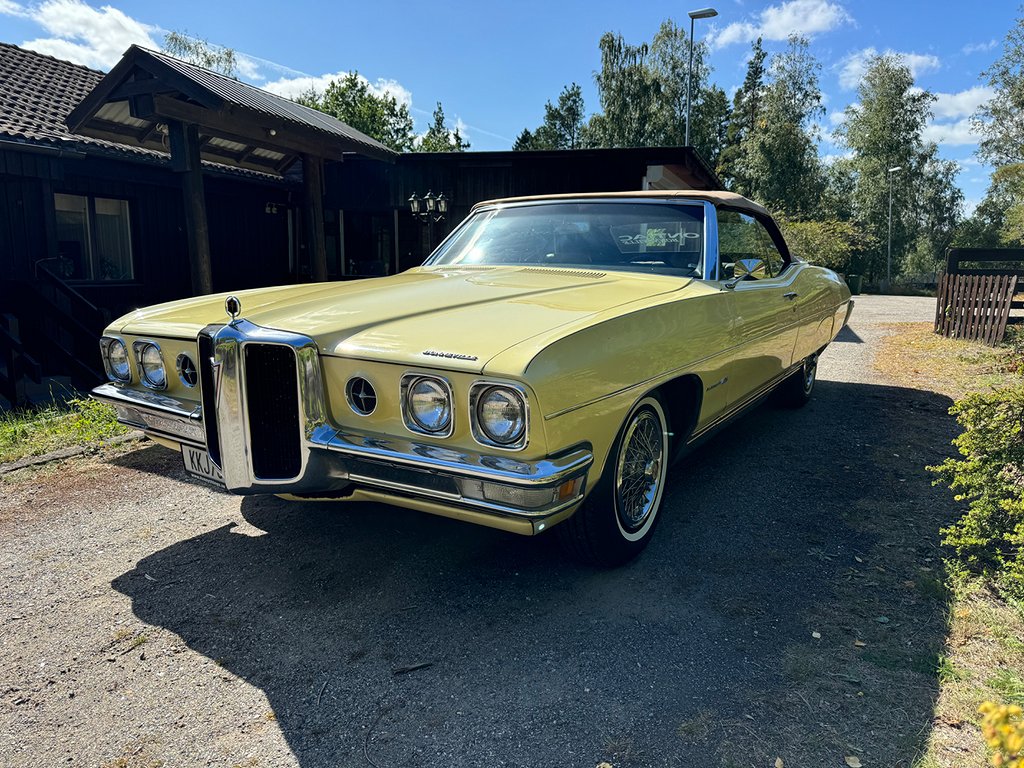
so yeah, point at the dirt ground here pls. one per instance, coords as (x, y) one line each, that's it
(791, 606)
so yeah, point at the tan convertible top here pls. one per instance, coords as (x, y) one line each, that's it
(730, 199)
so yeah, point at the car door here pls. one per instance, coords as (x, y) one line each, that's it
(763, 305)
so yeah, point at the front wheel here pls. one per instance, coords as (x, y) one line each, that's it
(618, 518)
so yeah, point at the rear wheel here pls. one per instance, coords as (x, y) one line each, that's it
(796, 391)
(618, 518)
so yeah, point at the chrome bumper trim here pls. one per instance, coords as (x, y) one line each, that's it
(499, 469)
(155, 412)
(325, 467)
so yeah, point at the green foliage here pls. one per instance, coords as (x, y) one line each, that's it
(439, 138)
(989, 476)
(83, 421)
(629, 94)
(998, 120)
(563, 124)
(642, 91)
(781, 168)
(998, 221)
(202, 53)
(830, 242)
(379, 115)
(883, 130)
(743, 121)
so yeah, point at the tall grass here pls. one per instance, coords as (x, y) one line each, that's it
(35, 431)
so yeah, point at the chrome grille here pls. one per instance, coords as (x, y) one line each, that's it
(272, 405)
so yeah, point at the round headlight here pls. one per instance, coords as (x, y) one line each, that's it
(117, 359)
(153, 367)
(501, 414)
(429, 405)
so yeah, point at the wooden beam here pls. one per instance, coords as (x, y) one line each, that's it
(185, 159)
(312, 182)
(138, 87)
(243, 129)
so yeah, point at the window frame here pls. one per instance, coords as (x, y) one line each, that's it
(773, 232)
(709, 246)
(90, 212)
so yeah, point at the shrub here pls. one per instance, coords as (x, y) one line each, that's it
(1003, 729)
(989, 538)
(830, 243)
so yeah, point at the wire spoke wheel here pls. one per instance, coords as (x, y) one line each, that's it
(640, 472)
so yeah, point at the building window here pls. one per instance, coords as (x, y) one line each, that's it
(93, 238)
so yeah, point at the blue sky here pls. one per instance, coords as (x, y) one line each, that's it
(494, 65)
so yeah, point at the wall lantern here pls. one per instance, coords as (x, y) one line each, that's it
(428, 208)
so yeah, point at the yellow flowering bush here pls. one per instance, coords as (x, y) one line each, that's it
(1003, 729)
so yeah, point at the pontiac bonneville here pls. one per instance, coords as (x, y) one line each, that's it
(542, 369)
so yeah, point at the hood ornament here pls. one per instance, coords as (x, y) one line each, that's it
(233, 306)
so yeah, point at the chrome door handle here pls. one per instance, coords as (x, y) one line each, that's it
(791, 295)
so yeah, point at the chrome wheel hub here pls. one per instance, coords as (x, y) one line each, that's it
(638, 475)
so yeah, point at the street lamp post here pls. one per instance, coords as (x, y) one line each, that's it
(702, 13)
(888, 264)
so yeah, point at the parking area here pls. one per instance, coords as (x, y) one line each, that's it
(782, 610)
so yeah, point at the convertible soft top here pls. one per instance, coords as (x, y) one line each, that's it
(717, 197)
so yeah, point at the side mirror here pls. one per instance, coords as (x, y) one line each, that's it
(753, 267)
(744, 268)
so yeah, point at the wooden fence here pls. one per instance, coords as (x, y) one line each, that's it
(975, 307)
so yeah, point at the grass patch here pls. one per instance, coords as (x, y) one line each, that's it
(83, 421)
(1007, 683)
(914, 355)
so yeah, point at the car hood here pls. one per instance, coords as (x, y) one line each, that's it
(462, 317)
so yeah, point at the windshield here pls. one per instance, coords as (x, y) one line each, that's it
(664, 239)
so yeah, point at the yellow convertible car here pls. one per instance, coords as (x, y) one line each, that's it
(542, 369)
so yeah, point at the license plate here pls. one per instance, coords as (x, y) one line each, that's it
(198, 464)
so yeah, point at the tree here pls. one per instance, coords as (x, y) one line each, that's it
(746, 107)
(781, 161)
(642, 90)
(884, 130)
(379, 115)
(563, 124)
(629, 94)
(998, 221)
(999, 119)
(196, 50)
(438, 138)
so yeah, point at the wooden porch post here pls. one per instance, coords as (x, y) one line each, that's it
(312, 181)
(185, 160)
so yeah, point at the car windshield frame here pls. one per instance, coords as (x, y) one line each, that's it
(707, 261)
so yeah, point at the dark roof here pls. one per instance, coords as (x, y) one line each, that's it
(238, 123)
(37, 92)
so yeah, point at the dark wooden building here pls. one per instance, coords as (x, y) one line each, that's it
(94, 222)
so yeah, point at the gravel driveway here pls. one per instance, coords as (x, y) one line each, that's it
(150, 620)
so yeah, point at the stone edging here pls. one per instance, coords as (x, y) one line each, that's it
(66, 453)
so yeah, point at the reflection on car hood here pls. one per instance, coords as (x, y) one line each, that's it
(464, 316)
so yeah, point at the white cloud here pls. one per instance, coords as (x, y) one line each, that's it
(979, 47)
(95, 37)
(851, 69)
(955, 134)
(777, 22)
(963, 103)
(290, 87)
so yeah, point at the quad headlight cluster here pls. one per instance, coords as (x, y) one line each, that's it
(498, 413)
(148, 359)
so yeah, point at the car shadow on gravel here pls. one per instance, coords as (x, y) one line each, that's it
(790, 605)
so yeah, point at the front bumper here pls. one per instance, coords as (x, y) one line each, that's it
(337, 463)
